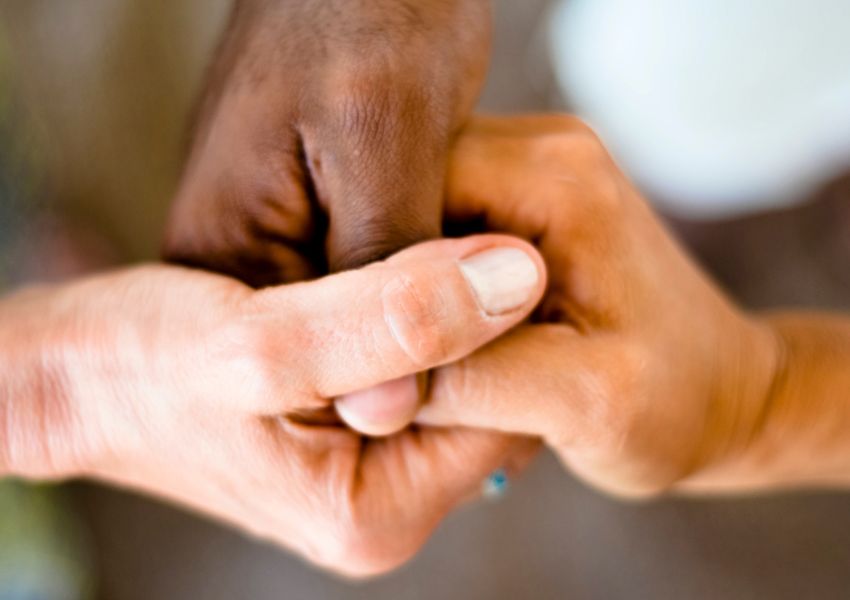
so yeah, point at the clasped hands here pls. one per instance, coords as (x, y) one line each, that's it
(565, 316)
(581, 324)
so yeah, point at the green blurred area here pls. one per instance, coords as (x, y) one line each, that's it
(44, 549)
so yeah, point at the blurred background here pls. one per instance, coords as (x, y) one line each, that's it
(733, 117)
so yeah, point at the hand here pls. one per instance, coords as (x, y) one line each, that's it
(638, 372)
(322, 137)
(196, 388)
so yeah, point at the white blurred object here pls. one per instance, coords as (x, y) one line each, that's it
(716, 107)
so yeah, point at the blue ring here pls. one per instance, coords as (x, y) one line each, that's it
(496, 485)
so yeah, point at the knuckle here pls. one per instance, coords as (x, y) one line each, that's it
(239, 340)
(625, 398)
(572, 145)
(575, 163)
(367, 104)
(613, 402)
(603, 417)
(380, 102)
(364, 115)
(416, 312)
(250, 354)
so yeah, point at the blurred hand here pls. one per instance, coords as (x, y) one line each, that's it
(194, 387)
(322, 137)
(638, 373)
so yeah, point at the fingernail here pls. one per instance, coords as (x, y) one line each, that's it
(503, 279)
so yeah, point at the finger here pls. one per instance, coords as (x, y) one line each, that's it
(426, 306)
(540, 380)
(549, 179)
(242, 208)
(511, 171)
(384, 409)
(378, 161)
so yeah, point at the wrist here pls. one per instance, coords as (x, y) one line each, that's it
(36, 410)
(809, 419)
(798, 435)
(749, 362)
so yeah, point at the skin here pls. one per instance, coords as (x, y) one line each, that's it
(637, 371)
(321, 142)
(322, 136)
(195, 388)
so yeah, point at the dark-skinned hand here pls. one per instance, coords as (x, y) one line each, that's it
(321, 139)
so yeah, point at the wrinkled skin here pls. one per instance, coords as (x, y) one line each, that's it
(322, 137)
(193, 386)
(638, 372)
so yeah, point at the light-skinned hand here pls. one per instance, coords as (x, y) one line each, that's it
(196, 388)
(637, 371)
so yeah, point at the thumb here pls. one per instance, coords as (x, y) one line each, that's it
(392, 406)
(427, 306)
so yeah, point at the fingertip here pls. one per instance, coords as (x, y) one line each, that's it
(506, 273)
(381, 410)
(503, 279)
